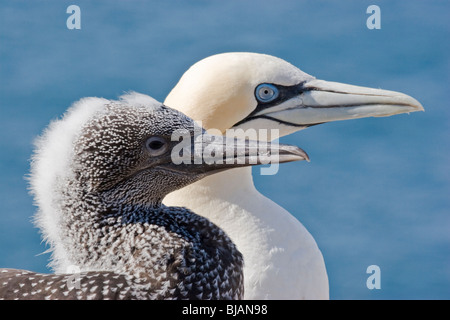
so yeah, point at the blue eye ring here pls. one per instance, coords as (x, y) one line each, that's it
(266, 92)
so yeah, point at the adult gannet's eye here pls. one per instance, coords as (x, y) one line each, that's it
(156, 146)
(266, 92)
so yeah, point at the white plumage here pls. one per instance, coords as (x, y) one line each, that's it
(282, 260)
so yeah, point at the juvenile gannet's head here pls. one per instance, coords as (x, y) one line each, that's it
(124, 152)
(250, 90)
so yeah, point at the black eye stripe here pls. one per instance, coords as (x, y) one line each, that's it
(284, 93)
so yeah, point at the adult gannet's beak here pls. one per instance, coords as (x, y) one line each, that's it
(317, 101)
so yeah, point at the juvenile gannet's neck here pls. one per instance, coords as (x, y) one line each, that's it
(88, 223)
(148, 243)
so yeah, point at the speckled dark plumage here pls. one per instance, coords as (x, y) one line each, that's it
(112, 225)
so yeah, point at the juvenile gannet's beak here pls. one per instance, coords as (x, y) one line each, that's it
(207, 154)
(317, 101)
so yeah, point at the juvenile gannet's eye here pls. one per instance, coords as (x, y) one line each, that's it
(266, 92)
(156, 146)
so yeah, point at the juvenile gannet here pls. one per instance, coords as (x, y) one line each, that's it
(99, 175)
(249, 90)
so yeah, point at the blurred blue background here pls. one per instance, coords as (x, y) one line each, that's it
(376, 191)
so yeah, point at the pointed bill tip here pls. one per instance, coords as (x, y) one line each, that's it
(407, 101)
(289, 153)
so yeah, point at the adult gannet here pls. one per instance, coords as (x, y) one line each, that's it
(99, 175)
(249, 90)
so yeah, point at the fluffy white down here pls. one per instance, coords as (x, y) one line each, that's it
(50, 168)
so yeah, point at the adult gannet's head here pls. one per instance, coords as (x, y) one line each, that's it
(250, 90)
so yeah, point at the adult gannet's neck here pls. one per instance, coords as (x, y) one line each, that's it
(225, 186)
(277, 248)
(224, 183)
